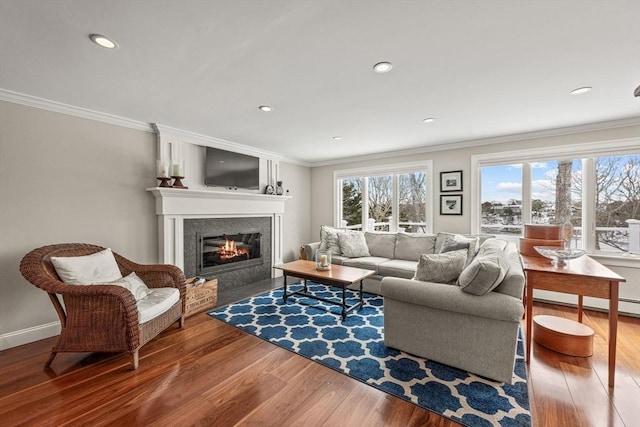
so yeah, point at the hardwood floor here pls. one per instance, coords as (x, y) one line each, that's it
(211, 374)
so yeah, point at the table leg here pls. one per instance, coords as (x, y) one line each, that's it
(613, 330)
(580, 308)
(284, 294)
(529, 333)
(344, 302)
(361, 302)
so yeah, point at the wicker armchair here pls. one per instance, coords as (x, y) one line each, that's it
(102, 318)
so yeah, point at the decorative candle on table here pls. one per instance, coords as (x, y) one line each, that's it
(323, 260)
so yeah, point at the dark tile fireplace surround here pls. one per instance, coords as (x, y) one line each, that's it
(233, 275)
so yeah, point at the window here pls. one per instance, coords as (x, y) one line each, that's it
(594, 186)
(389, 198)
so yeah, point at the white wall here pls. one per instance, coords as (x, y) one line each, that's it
(322, 187)
(70, 179)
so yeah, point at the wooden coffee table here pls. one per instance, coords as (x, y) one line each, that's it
(339, 276)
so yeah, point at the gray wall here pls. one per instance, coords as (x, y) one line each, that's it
(70, 179)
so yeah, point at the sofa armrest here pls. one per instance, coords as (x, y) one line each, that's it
(492, 305)
(310, 250)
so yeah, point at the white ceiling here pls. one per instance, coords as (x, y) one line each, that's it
(481, 68)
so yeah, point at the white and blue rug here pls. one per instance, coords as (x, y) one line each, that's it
(355, 347)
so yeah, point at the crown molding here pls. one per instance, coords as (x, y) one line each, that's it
(589, 127)
(59, 107)
(171, 133)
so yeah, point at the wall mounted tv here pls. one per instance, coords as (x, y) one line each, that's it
(231, 170)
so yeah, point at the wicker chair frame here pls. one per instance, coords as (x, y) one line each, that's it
(102, 318)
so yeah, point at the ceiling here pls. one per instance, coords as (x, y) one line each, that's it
(481, 69)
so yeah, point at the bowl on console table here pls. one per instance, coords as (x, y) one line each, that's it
(559, 255)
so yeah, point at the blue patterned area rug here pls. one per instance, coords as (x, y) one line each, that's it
(355, 347)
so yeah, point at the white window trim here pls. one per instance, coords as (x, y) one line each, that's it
(398, 168)
(573, 151)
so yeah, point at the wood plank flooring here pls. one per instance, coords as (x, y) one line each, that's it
(212, 374)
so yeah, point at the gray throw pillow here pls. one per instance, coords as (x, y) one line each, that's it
(454, 245)
(411, 246)
(441, 268)
(353, 244)
(329, 239)
(483, 274)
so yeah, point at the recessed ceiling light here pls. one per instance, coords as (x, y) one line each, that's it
(429, 120)
(103, 41)
(580, 90)
(337, 138)
(265, 108)
(382, 67)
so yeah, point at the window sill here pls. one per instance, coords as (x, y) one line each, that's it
(619, 260)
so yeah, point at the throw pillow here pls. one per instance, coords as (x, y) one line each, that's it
(442, 237)
(454, 245)
(329, 239)
(133, 283)
(84, 270)
(483, 274)
(441, 268)
(353, 244)
(410, 246)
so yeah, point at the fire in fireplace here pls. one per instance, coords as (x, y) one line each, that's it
(228, 251)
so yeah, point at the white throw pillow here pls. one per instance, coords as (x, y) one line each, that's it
(353, 244)
(87, 269)
(133, 283)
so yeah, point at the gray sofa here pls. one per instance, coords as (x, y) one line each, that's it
(439, 321)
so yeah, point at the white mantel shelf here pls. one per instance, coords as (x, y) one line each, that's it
(174, 205)
(180, 201)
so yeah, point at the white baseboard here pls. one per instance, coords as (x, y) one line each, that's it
(25, 336)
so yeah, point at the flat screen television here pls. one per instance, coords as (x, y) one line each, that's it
(231, 170)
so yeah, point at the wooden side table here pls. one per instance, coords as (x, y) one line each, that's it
(583, 277)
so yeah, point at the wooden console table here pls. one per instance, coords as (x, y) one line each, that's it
(583, 277)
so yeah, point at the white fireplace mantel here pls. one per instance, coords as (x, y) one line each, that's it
(174, 205)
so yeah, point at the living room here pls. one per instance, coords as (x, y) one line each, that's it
(78, 169)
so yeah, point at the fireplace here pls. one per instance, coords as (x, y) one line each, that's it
(220, 252)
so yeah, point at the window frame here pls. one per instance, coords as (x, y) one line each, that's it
(585, 151)
(394, 170)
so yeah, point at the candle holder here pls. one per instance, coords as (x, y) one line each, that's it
(177, 182)
(323, 260)
(164, 181)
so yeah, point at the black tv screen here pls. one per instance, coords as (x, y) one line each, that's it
(231, 170)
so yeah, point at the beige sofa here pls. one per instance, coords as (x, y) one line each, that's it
(444, 322)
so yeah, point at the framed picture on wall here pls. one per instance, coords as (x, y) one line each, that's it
(450, 181)
(451, 204)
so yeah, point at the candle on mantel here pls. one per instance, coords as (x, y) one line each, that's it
(163, 169)
(177, 169)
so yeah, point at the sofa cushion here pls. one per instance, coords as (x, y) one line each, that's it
(411, 246)
(133, 283)
(156, 303)
(398, 268)
(329, 239)
(441, 268)
(353, 244)
(380, 243)
(484, 274)
(99, 267)
(367, 262)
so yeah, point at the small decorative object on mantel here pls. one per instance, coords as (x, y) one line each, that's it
(269, 189)
(323, 260)
(162, 173)
(279, 189)
(177, 173)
